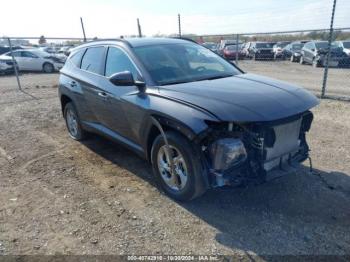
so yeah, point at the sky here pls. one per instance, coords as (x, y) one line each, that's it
(112, 18)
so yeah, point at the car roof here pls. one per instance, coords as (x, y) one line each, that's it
(137, 42)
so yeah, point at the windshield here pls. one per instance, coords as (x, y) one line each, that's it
(210, 45)
(322, 45)
(346, 44)
(181, 63)
(297, 46)
(264, 45)
(281, 45)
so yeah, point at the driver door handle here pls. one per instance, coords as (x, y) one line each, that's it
(103, 94)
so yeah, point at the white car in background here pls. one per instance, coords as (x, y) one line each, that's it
(36, 60)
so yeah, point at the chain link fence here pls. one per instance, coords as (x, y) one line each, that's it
(306, 58)
(303, 58)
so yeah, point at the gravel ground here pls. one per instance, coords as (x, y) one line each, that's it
(59, 196)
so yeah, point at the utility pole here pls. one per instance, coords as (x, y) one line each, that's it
(139, 27)
(82, 27)
(179, 22)
(325, 76)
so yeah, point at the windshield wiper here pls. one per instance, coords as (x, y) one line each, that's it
(195, 80)
(175, 82)
(215, 77)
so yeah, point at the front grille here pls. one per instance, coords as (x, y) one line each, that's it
(286, 142)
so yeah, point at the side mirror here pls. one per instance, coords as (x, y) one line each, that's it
(126, 79)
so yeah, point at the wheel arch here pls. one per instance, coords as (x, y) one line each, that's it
(64, 101)
(167, 124)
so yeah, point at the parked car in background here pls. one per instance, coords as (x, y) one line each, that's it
(65, 50)
(198, 119)
(49, 49)
(5, 49)
(224, 43)
(6, 65)
(311, 50)
(292, 51)
(230, 52)
(212, 46)
(245, 49)
(337, 58)
(344, 45)
(261, 50)
(36, 60)
(278, 49)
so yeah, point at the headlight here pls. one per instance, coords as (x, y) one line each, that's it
(296, 54)
(226, 153)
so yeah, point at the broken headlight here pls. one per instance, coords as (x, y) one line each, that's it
(226, 153)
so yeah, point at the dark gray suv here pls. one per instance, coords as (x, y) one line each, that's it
(198, 119)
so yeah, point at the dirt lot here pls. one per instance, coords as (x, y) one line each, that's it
(59, 196)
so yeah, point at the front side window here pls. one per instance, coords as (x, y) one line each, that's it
(92, 60)
(264, 45)
(117, 61)
(179, 63)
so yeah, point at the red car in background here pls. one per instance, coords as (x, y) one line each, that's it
(230, 51)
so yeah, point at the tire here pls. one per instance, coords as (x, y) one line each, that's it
(48, 67)
(301, 61)
(190, 185)
(315, 63)
(78, 133)
(292, 58)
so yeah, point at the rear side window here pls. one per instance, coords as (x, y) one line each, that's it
(76, 57)
(118, 61)
(93, 59)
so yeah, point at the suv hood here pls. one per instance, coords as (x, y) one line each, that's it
(243, 98)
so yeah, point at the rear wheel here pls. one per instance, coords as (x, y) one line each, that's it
(184, 181)
(73, 122)
(48, 68)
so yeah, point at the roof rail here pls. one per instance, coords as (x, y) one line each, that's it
(107, 39)
(184, 38)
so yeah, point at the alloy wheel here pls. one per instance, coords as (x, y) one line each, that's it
(176, 177)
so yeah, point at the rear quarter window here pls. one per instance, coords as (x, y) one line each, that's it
(75, 59)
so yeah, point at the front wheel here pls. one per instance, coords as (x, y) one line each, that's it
(315, 63)
(292, 58)
(301, 61)
(183, 181)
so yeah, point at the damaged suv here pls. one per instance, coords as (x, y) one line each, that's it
(201, 121)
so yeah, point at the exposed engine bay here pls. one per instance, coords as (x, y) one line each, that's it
(239, 153)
